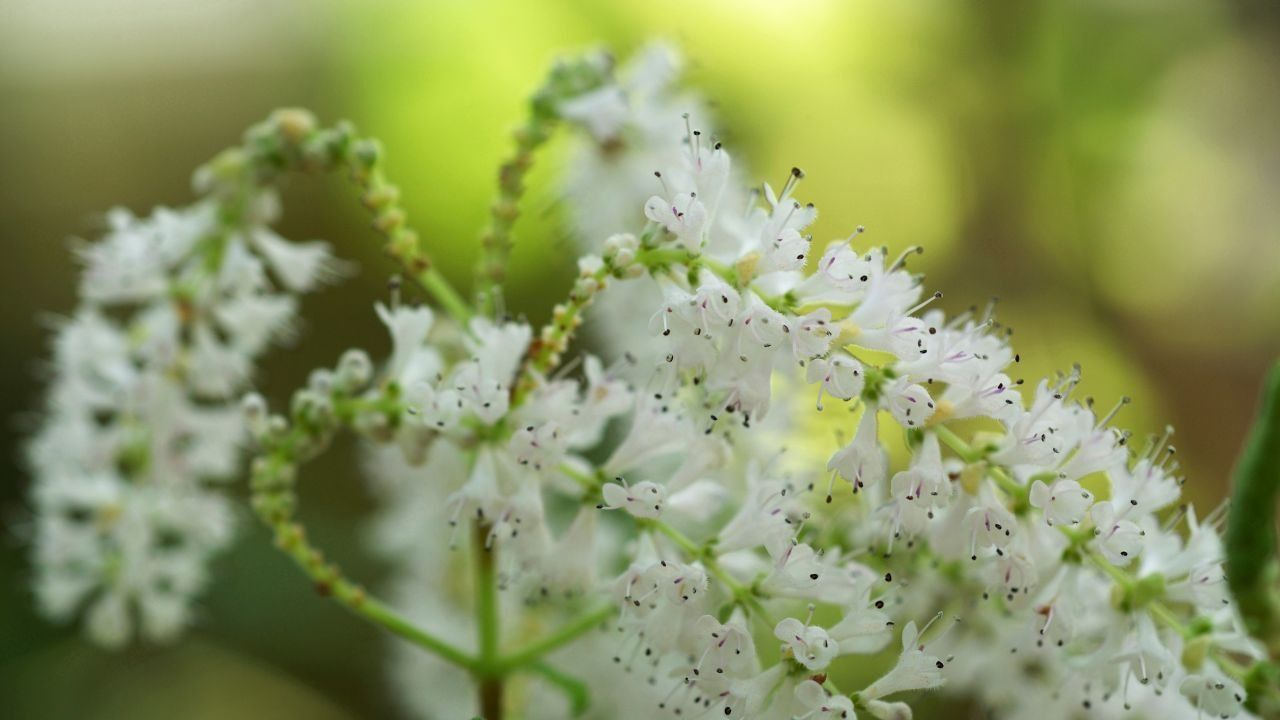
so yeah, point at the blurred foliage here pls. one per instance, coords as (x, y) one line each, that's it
(1109, 169)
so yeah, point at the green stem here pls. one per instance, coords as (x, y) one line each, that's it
(1166, 616)
(486, 594)
(579, 695)
(1120, 577)
(567, 79)
(961, 448)
(496, 240)
(548, 348)
(439, 288)
(290, 142)
(590, 484)
(488, 673)
(657, 260)
(491, 697)
(537, 649)
(329, 582)
(970, 454)
(275, 501)
(680, 539)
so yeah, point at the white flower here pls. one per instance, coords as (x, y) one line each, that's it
(1064, 502)
(643, 500)
(822, 706)
(925, 481)
(908, 403)
(865, 627)
(301, 267)
(1014, 572)
(915, 669)
(809, 644)
(1118, 539)
(125, 266)
(721, 648)
(766, 518)
(863, 461)
(1216, 695)
(605, 396)
(1099, 450)
(798, 572)
(1146, 486)
(483, 394)
(787, 252)
(691, 191)
(409, 326)
(1043, 435)
(1205, 587)
(689, 346)
(1146, 655)
(682, 215)
(990, 523)
(541, 447)
(655, 431)
(93, 361)
(108, 621)
(571, 565)
(840, 376)
(811, 334)
(659, 599)
(438, 409)
(700, 500)
(254, 320)
(603, 111)
(216, 370)
(498, 348)
(738, 697)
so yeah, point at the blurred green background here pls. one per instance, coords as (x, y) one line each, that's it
(1110, 170)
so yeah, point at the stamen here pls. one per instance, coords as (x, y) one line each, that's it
(393, 287)
(902, 259)
(792, 180)
(925, 303)
(1108, 417)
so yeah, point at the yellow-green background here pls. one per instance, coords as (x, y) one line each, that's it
(1108, 169)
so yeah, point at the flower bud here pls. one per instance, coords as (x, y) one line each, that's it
(355, 370)
(294, 124)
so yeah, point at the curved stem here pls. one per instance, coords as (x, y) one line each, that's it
(566, 80)
(275, 501)
(330, 583)
(579, 695)
(290, 142)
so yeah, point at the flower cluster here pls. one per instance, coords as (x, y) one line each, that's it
(1021, 555)
(143, 424)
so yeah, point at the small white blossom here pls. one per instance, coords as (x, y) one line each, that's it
(914, 670)
(809, 644)
(643, 499)
(1064, 502)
